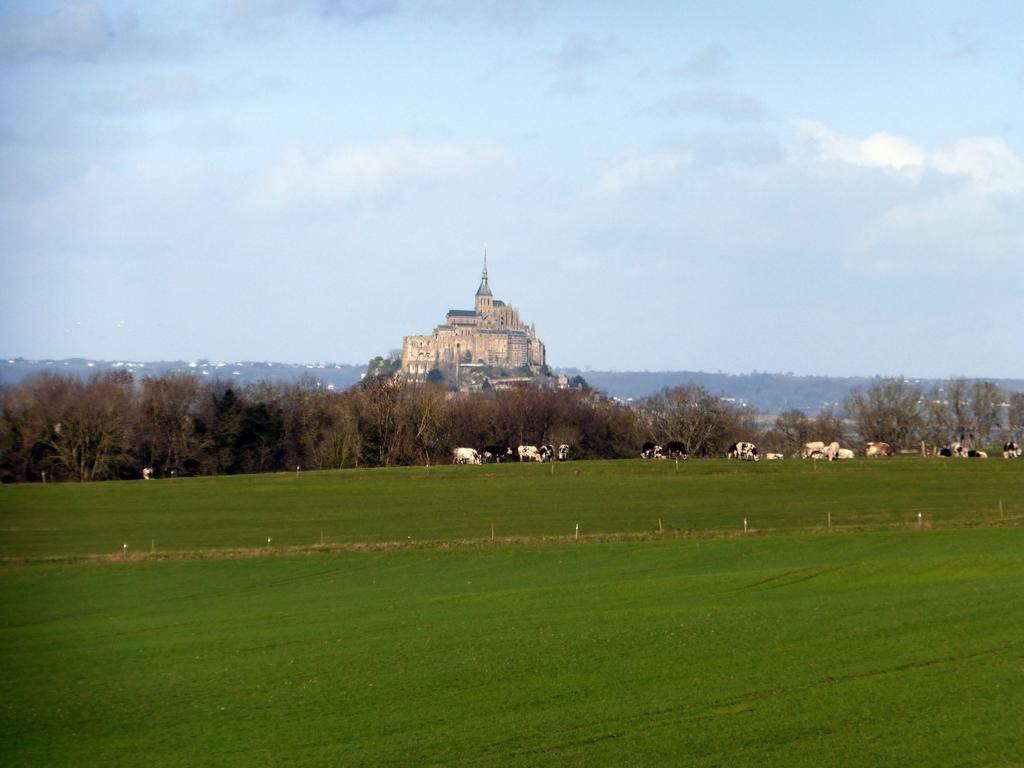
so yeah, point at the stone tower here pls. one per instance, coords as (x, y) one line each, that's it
(484, 298)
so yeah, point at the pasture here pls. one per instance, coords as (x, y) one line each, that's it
(451, 503)
(880, 644)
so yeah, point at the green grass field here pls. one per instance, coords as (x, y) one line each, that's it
(447, 503)
(880, 644)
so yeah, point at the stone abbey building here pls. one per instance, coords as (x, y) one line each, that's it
(490, 335)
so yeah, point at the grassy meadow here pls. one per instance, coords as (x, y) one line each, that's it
(880, 644)
(447, 503)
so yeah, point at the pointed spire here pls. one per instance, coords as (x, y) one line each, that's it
(484, 289)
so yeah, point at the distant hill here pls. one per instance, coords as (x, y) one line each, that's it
(329, 375)
(769, 393)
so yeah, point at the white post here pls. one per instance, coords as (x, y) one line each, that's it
(659, 525)
(1000, 509)
(744, 525)
(492, 531)
(268, 541)
(296, 470)
(124, 550)
(830, 519)
(919, 521)
(577, 531)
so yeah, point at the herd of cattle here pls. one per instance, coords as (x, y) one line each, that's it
(1011, 450)
(500, 453)
(744, 451)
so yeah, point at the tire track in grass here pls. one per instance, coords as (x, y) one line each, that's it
(789, 578)
(660, 718)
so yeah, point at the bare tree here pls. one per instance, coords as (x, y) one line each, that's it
(1015, 416)
(90, 440)
(890, 411)
(425, 411)
(827, 426)
(794, 429)
(986, 398)
(165, 415)
(691, 414)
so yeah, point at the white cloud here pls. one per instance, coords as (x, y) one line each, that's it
(583, 52)
(709, 62)
(165, 91)
(81, 30)
(73, 29)
(639, 171)
(353, 171)
(721, 103)
(345, 11)
(987, 161)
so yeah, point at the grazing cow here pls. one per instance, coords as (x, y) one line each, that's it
(497, 453)
(878, 449)
(147, 473)
(953, 449)
(676, 450)
(547, 453)
(774, 457)
(528, 453)
(563, 452)
(652, 451)
(973, 454)
(843, 453)
(466, 456)
(812, 448)
(743, 451)
(1011, 450)
(832, 450)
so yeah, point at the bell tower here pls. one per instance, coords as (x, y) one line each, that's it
(484, 298)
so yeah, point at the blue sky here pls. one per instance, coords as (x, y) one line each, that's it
(823, 188)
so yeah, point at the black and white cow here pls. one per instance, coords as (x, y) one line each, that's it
(973, 454)
(743, 451)
(497, 453)
(563, 452)
(528, 453)
(676, 450)
(652, 451)
(547, 453)
(956, 449)
(1011, 450)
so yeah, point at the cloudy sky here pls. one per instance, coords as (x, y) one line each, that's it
(822, 188)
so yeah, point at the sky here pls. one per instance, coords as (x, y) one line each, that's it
(827, 188)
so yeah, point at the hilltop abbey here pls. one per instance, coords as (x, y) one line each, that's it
(490, 335)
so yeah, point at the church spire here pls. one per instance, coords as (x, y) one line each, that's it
(484, 289)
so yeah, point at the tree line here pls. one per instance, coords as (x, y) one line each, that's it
(113, 426)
